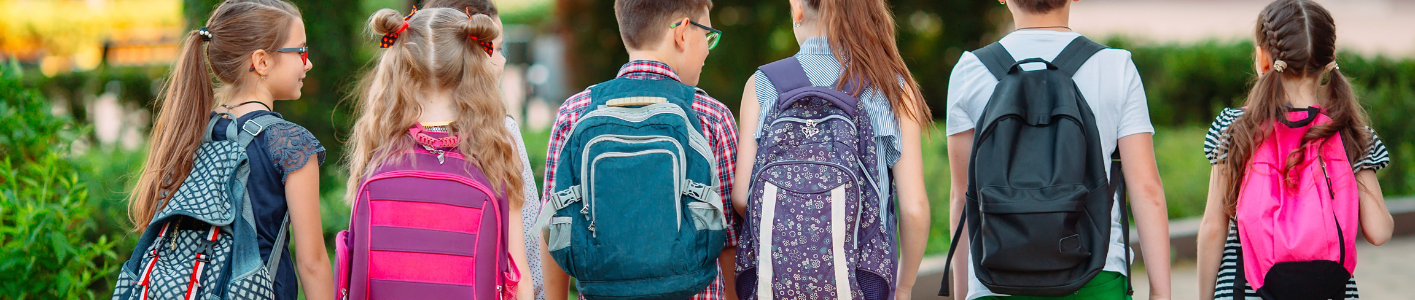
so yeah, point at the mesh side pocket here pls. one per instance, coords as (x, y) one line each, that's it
(872, 287)
(747, 284)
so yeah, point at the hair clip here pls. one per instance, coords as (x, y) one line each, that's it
(205, 34)
(1279, 65)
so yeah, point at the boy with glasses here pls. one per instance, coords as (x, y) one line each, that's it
(639, 169)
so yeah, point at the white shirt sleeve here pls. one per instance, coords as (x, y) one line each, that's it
(1135, 111)
(970, 85)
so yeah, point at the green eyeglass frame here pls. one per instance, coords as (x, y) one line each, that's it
(713, 35)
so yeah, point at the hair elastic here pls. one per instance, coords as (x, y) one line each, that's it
(391, 37)
(485, 45)
(205, 34)
(1279, 65)
(1331, 66)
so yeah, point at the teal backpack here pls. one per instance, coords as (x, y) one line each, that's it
(637, 215)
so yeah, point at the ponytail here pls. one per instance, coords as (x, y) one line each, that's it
(181, 119)
(1347, 113)
(234, 31)
(862, 37)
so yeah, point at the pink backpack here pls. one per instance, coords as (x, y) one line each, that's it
(1298, 241)
(426, 226)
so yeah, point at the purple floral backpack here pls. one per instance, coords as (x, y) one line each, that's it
(816, 224)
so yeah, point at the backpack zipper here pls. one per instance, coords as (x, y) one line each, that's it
(1323, 163)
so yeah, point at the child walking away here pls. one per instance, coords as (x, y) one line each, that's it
(220, 188)
(532, 282)
(1037, 124)
(1293, 171)
(639, 166)
(436, 177)
(830, 135)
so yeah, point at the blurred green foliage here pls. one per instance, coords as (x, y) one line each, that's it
(47, 232)
(932, 34)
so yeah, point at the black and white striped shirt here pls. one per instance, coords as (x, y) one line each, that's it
(1215, 148)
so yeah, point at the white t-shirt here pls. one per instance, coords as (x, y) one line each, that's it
(1108, 81)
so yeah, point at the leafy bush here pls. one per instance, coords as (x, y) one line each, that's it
(49, 247)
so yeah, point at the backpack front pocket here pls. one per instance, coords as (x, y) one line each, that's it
(1030, 230)
(706, 217)
(559, 233)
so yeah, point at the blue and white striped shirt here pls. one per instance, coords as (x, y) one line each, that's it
(824, 70)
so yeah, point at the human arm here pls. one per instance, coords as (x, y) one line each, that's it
(746, 146)
(960, 150)
(311, 260)
(1377, 225)
(1142, 181)
(1213, 232)
(913, 205)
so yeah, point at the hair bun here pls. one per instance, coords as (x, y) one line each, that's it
(385, 21)
(481, 27)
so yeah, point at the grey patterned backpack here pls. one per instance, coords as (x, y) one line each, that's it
(202, 244)
(817, 223)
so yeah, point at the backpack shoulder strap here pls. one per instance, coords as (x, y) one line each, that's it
(996, 59)
(1076, 54)
(786, 74)
(278, 250)
(252, 128)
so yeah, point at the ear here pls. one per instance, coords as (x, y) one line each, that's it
(679, 34)
(797, 12)
(1261, 62)
(261, 60)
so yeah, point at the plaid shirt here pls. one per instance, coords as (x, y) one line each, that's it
(719, 128)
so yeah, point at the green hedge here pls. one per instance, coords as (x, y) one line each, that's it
(1188, 85)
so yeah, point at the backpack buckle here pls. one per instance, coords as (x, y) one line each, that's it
(247, 129)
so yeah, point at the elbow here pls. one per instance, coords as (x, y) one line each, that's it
(916, 212)
(1152, 194)
(1378, 238)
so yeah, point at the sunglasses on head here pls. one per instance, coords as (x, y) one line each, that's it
(713, 35)
(303, 51)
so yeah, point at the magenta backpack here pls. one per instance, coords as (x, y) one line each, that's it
(1298, 235)
(426, 226)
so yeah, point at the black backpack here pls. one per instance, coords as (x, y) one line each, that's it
(1038, 202)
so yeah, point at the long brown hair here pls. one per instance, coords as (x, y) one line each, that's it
(1301, 34)
(237, 29)
(861, 36)
(436, 51)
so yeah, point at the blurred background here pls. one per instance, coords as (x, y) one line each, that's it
(78, 81)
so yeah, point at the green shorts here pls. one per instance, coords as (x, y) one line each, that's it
(1106, 285)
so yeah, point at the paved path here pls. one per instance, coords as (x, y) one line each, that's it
(1385, 272)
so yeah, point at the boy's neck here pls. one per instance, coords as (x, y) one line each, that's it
(1056, 20)
(650, 55)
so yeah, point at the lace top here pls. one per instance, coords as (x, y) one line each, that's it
(278, 151)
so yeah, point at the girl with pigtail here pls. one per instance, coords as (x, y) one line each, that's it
(256, 49)
(1299, 85)
(436, 166)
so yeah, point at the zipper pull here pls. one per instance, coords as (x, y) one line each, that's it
(1330, 190)
(441, 156)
